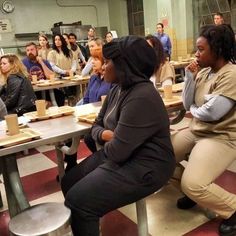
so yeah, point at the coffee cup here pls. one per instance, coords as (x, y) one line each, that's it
(167, 91)
(40, 107)
(71, 74)
(103, 97)
(12, 124)
(34, 78)
(52, 77)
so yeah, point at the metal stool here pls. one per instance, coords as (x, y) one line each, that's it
(142, 217)
(43, 219)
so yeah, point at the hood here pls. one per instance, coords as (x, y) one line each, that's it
(134, 60)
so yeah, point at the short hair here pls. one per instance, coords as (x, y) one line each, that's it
(92, 28)
(109, 32)
(159, 50)
(31, 44)
(221, 40)
(162, 26)
(219, 14)
(73, 35)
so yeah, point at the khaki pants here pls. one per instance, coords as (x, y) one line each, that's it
(208, 159)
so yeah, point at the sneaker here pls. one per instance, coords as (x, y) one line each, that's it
(228, 226)
(185, 203)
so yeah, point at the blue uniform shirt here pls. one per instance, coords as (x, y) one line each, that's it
(165, 40)
(96, 88)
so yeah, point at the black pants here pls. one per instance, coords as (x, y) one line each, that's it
(71, 160)
(89, 141)
(96, 186)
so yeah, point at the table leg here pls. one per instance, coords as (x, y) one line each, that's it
(63, 149)
(16, 198)
(182, 72)
(52, 97)
(60, 161)
(43, 92)
(78, 93)
(1, 203)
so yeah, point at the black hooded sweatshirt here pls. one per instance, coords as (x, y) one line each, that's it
(134, 110)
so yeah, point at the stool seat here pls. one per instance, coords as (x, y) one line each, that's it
(43, 219)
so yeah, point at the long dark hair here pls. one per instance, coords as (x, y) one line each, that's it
(159, 50)
(221, 40)
(64, 48)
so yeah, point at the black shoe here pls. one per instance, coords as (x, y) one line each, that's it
(185, 203)
(228, 226)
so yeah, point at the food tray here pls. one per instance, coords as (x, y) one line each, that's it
(88, 118)
(79, 78)
(49, 83)
(50, 113)
(175, 100)
(175, 88)
(25, 135)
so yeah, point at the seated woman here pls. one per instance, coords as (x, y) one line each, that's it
(74, 49)
(137, 157)
(44, 47)
(17, 93)
(210, 141)
(164, 73)
(63, 61)
(93, 44)
(97, 86)
(108, 37)
(61, 58)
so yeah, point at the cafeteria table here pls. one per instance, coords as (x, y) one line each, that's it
(81, 85)
(53, 131)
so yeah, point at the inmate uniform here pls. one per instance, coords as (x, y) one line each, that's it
(211, 145)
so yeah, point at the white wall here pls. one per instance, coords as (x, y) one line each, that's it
(150, 16)
(32, 16)
(118, 16)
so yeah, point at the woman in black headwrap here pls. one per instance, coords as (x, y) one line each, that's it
(137, 157)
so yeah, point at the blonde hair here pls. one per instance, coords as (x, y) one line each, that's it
(17, 67)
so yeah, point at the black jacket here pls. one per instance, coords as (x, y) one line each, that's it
(18, 95)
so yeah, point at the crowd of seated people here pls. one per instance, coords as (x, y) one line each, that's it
(133, 143)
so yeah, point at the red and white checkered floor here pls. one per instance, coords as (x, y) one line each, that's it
(38, 171)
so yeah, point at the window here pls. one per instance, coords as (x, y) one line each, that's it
(135, 17)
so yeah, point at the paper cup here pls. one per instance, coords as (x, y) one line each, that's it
(71, 74)
(180, 59)
(12, 124)
(103, 97)
(52, 77)
(167, 91)
(34, 78)
(41, 107)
